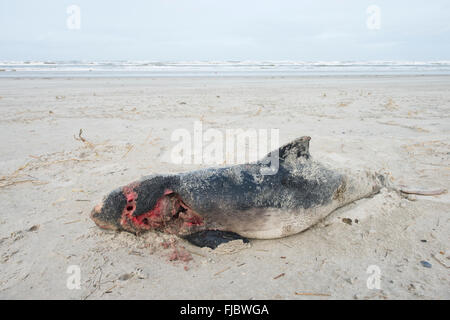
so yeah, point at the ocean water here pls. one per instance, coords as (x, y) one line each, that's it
(218, 68)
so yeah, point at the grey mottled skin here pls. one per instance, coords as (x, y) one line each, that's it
(243, 200)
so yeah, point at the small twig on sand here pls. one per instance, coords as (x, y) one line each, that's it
(439, 261)
(11, 183)
(284, 243)
(279, 276)
(128, 151)
(109, 290)
(433, 192)
(193, 252)
(312, 294)
(82, 139)
(217, 273)
(70, 222)
(96, 284)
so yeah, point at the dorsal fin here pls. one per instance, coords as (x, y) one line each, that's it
(294, 149)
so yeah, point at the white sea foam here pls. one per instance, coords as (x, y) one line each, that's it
(208, 68)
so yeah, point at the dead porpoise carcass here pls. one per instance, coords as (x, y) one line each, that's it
(215, 205)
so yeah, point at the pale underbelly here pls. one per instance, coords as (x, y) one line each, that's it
(270, 223)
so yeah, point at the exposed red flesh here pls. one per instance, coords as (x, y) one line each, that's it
(170, 214)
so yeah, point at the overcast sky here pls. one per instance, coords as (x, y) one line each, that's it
(169, 30)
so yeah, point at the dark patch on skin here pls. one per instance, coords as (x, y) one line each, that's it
(213, 238)
(339, 194)
(214, 190)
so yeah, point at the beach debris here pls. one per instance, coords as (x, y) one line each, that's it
(347, 221)
(6, 256)
(392, 123)
(82, 139)
(422, 192)
(223, 270)
(74, 221)
(439, 260)
(110, 289)
(38, 162)
(129, 148)
(5, 183)
(312, 294)
(285, 244)
(279, 276)
(425, 264)
(59, 200)
(140, 274)
(33, 228)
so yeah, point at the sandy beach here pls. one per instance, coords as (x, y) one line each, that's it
(51, 177)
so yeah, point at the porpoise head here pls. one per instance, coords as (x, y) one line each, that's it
(145, 205)
(107, 214)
